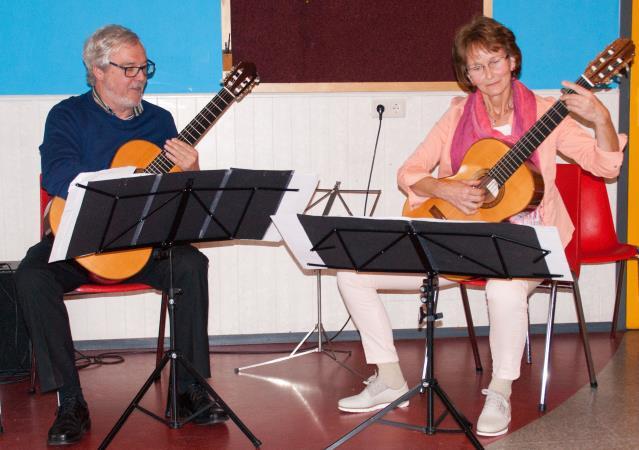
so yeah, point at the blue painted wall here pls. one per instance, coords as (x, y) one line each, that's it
(558, 38)
(41, 42)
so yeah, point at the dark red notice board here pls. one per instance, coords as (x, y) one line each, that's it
(319, 41)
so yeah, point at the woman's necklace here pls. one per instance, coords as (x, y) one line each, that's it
(494, 117)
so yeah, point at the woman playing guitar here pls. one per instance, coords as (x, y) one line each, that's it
(481, 178)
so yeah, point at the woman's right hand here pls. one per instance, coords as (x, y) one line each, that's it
(463, 194)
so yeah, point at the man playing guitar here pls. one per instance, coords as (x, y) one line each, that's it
(82, 134)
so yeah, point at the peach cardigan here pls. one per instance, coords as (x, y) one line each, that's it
(569, 138)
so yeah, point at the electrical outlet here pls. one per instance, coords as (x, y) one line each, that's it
(393, 107)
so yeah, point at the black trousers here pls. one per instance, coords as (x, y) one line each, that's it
(41, 286)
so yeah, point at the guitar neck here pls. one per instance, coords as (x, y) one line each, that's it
(528, 143)
(193, 132)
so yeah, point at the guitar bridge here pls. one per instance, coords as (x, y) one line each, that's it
(436, 213)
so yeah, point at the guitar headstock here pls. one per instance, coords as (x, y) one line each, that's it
(241, 79)
(609, 63)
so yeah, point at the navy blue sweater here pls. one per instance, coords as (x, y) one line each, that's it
(79, 136)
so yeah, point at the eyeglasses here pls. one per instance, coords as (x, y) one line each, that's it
(493, 64)
(132, 71)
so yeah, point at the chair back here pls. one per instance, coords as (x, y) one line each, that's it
(598, 235)
(44, 201)
(568, 182)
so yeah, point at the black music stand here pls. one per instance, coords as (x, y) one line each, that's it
(168, 209)
(431, 247)
(329, 196)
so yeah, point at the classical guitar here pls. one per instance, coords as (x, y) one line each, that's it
(511, 182)
(146, 156)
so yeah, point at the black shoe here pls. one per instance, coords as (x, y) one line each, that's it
(71, 423)
(194, 399)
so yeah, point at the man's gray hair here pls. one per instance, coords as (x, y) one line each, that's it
(101, 44)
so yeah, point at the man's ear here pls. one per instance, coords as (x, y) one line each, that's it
(98, 73)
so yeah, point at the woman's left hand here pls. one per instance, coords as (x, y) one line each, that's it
(585, 104)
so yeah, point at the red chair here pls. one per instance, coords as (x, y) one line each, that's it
(116, 288)
(598, 239)
(568, 182)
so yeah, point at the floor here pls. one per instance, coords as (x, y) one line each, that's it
(607, 417)
(292, 405)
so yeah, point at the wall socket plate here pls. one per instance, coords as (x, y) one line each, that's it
(393, 107)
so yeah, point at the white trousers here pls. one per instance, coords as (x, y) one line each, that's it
(507, 313)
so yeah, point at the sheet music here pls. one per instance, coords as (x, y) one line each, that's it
(293, 202)
(74, 201)
(296, 240)
(556, 259)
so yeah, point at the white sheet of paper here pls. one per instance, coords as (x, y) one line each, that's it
(556, 259)
(74, 201)
(293, 202)
(296, 240)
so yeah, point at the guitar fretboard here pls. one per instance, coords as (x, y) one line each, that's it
(526, 145)
(192, 133)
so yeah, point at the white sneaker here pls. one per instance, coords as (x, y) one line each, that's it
(376, 395)
(495, 417)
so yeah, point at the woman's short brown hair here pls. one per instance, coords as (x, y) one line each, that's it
(487, 33)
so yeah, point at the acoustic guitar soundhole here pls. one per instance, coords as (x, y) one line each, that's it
(494, 193)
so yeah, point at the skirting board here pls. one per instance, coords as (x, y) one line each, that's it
(294, 338)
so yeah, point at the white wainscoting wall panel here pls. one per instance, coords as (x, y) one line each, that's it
(260, 288)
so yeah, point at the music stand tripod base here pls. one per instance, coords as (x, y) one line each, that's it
(330, 196)
(173, 357)
(428, 384)
(322, 341)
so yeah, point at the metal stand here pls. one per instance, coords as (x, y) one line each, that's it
(428, 383)
(322, 339)
(173, 357)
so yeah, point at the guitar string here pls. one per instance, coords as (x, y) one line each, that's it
(207, 119)
(522, 150)
(525, 146)
(203, 116)
(161, 164)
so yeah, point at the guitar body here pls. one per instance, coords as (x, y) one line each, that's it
(112, 267)
(523, 190)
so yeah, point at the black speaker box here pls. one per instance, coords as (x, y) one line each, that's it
(15, 351)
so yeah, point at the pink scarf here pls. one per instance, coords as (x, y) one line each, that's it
(474, 123)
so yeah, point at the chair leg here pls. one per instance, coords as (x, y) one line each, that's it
(615, 314)
(159, 351)
(549, 329)
(528, 346)
(576, 295)
(471, 328)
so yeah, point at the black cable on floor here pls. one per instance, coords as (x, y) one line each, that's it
(83, 361)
